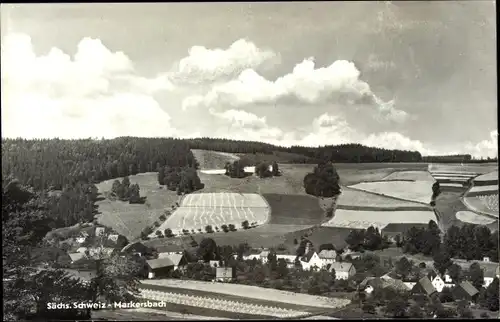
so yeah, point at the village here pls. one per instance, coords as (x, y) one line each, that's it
(238, 264)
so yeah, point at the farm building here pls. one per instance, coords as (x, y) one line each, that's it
(394, 229)
(439, 283)
(465, 291)
(424, 286)
(489, 275)
(171, 249)
(160, 267)
(178, 260)
(75, 257)
(343, 270)
(116, 241)
(137, 248)
(328, 256)
(99, 231)
(225, 274)
(213, 263)
(83, 274)
(369, 284)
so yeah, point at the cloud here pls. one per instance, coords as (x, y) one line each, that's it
(96, 93)
(306, 84)
(204, 65)
(485, 148)
(395, 140)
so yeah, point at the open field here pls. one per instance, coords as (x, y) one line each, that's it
(410, 175)
(130, 219)
(465, 168)
(294, 209)
(473, 218)
(213, 159)
(280, 157)
(451, 185)
(252, 292)
(490, 176)
(361, 200)
(416, 191)
(487, 204)
(486, 190)
(363, 219)
(216, 209)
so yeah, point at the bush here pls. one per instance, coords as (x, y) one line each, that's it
(369, 308)
(231, 227)
(168, 232)
(295, 241)
(485, 315)
(199, 230)
(217, 228)
(245, 224)
(163, 218)
(157, 224)
(147, 230)
(225, 228)
(158, 233)
(209, 229)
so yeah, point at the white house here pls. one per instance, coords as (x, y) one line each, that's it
(438, 283)
(328, 256)
(311, 260)
(343, 270)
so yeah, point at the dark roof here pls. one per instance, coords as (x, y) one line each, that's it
(160, 262)
(307, 257)
(401, 228)
(468, 288)
(85, 275)
(426, 285)
(169, 248)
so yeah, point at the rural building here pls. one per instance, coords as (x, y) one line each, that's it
(116, 241)
(214, 263)
(465, 291)
(83, 274)
(489, 275)
(343, 271)
(439, 283)
(225, 274)
(172, 249)
(76, 257)
(394, 229)
(263, 256)
(160, 267)
(289, 259)
(99, 231)
(369, 284)
(311, 260)
(100, 252)
(424, 286)
(137, 248)
(179, 261)
(328, 256)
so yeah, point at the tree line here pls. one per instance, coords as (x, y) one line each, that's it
(181, 179)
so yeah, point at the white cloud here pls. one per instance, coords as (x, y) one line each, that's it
(305, 84)
(96, 93)
(395, 140)
(485, 148)
(204, 65)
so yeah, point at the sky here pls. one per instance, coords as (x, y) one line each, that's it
(400, 75)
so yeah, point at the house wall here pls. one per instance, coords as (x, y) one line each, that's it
(487, 281)
(438, 284)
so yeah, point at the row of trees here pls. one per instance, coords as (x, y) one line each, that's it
(470, 242)
(354, 153)
(235, 169)
(369, 239)
(262, 169)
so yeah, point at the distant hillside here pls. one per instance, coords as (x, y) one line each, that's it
(345, 153)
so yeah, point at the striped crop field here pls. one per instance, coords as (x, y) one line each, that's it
(362, 200)
(216, 209)
(490, 176)
(252, 294)
(487, 204)
(473, 218)
(357, 219)
(410, 175)
(416, 191)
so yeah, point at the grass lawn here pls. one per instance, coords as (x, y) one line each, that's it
(130, 219)
(416, 191)
(357, 219)
(363, 200)
(411, 175)
(294, 209)
(473, 218)
(213, 159)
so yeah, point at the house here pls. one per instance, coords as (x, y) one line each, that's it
(99, 231)
(76, 257)
(84, 275)
(489, 275)
(214, 263)
(424, 286)
(160, 267)
(178, 260)
(225, 274)
(369, 284)
(311, 260)
(289, 259)
(328, 256)
(438, 283)
(343, 270)
(465, 291)
(394, 229)
(101, 252)
(116, 241)
(171, 249)
(263, 256)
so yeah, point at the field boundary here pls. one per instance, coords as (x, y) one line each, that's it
(370, 208)
(392, 197)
